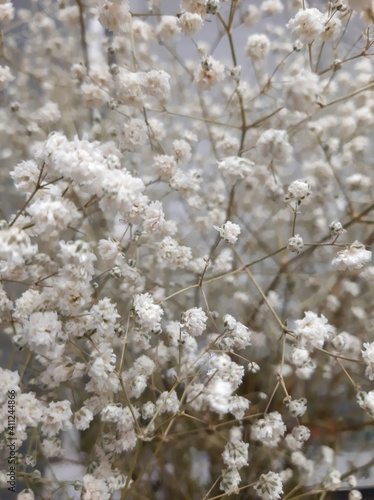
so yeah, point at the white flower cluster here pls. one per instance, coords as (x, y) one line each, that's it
(312, 331)
(269, 486)
(368, 356)
(235, 456)
(132, 150)
(354, 257)
(229, 231)
(235, 168)
(269, 430)
(298, 190)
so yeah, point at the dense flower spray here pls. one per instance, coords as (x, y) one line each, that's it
(185, 248)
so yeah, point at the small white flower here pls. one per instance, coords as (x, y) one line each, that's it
(355, 495)
(257, 47)
(336, 228)
(297, 407)
(332, 481)
(298, 190)
(269, 486)
(312, 331)
(209, 73)
(229, 232)
(269, 430)
(230, 480)
(354, 257)
(194, 321)
(295, 244)
(307, 25)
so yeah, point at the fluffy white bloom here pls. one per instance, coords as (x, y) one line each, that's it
(41, 331)
(218, 395)
(307, 25)
(269, 486)
(295, 244)
(148, 410)
(229, 232)
(167, 402)
(56, 418)
(236, 335)
(5, 302)
(48, 114)
(148, 314)
(368, 355)
(224, 368)
(312, 331)
(114, 15)
(271, 7)
(273, 145)
(332, 480)
(109, 249)
(165, 165)
(105, 316)
(52, 213)
(94, 488)
(134, 134)
(230, 480)
(301, 91)
(190, 23)
(297, 407)
(101, 370)
(168, 28)
(25, 176)
(26, 495)
(269, 430)
(235, 168)
(238, 406)
(15, 246)
(251, 16)
(352, 481)
(155, 222)
(257, 47)
(354, 257)
(301, 433)
(209, 73)
(8, 381)
(298, 190)
(366, 401)
(5, 73)
(302, 463)
(93, 96)
(332, 28)
(82, 418)
(354, 495)
(300, 356)
(182, 151)
(6, 11)
(336, 228)
(186, 182)
(174, 254)
(194, 321)
(155, 83)
(235, 454)
(130, 89)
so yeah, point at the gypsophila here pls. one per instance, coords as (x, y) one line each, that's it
(138, 145)
(354, 257)
(307, 25)
(312, 331)
(298, 190)
(295, 244)
(229, 232)
(269, 486)
(269, 430)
